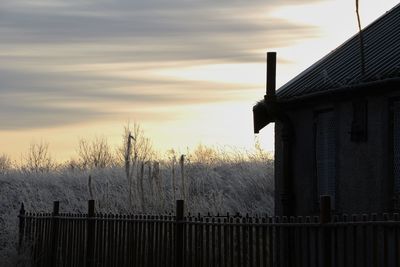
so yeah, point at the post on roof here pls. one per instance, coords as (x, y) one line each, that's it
(360, 34)
(271, 76)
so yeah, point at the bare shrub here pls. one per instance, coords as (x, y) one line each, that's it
(203, 154)
(260, 154)
(5, 164)
(95, 154)
(72, 165)
(38, 158)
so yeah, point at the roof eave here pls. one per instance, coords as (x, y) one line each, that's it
(261, 116)
(349, 91)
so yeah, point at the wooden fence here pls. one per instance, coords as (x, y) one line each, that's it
(95, 239)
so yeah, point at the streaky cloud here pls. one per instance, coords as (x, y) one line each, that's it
(67, 62)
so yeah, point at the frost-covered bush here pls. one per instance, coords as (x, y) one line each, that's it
(215, 181)
(5, 164)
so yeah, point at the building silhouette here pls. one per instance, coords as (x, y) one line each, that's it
(337, 126)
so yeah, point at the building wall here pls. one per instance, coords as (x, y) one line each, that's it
(362, 175)
(304, 185)
(278, 167)
(363, 182)
(303, 162)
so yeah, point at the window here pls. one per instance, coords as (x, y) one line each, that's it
(325, 150)
(359, 125)
(396, 146)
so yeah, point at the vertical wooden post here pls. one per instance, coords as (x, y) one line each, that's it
(179, 233)
(325, 217)
(54, 233)
(90, 235)
(271, 75)
(21, 227)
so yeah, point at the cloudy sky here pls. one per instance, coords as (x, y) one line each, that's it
(188, 71)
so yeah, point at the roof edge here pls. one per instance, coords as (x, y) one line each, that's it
(387, 85)
(355, 35)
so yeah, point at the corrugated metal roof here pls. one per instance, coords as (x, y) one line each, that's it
(341, 67)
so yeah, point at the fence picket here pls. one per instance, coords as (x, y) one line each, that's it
(270, 251)
(232, 242)
(396, 218)
(251, 256)
(213, 246)
(316, 244)
(363, 246)
(164, 240)
(220, 240)
(171, 241)
(156, 241)
(308, 254)
(385, 242)
(238, 243)
(197, 242)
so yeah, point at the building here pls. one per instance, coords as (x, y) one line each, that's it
(337, 126)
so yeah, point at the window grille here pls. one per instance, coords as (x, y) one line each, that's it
(325, 149)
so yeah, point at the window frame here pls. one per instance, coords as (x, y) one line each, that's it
(316, 113)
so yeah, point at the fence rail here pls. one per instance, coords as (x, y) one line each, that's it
(96, 239)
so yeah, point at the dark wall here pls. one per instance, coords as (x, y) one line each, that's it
(362, 176)
(278, 167)
(363, 182)
(304, 186)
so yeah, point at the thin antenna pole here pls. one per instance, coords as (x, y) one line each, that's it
(361, 41)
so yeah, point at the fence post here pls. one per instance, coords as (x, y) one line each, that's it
(325, 217)
(179, 233)
(54, 233)
(90, 234)
(21, 227)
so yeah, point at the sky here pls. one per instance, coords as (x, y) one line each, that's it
(188, 71)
